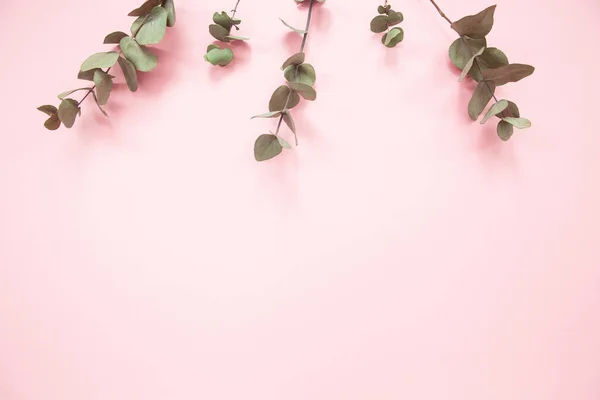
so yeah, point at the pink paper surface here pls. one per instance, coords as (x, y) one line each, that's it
(400, 252)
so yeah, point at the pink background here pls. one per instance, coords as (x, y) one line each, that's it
(401, 252)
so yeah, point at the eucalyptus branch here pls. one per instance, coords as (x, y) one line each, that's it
(300, 77)
(153, 18)
(489, 67)
(384, 21)
(221, 30)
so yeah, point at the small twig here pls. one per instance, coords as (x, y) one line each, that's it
(235, 9)
(440, 11)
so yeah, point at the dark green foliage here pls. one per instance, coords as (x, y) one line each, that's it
(386, 19)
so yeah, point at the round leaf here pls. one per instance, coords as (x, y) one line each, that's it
(505, 130)
(393, 37)
(266, 147)
(307, 92)
(100, 60)
(493, 58)
(394, 18)
(461, 51)
(154, 28)
(280, 97)
(220, 57)
(141, 58)
(218, 32)
(296, 59)
(223, 20)
(381, 10)
(52, 123)
(67, 112)
(379, 24)
(303, 73)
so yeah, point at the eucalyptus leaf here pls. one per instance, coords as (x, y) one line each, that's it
(298, 31)
(144, 9)
(469, 65)
(136, 25)
(141, 58)
(476, 26)
(114, 37)
(98, 104)
(504, 130)
(393, 37)
(280, 97)
(100, 60)
(169, 5)
(237, 38)
(461, 51)
(67, 112)
(212, 46)
(104, 85)
(306, 91)
(303, 73)
(218, 32)
(379, 24)
(266, 147)
(272, 114)
(481, 97)
(289, 121)
(87, 75)
(49, 109)
(519, 123)
(52, 123)
(220, 57)
(496, 108)
(511, 111)
(154, 28)
(283, 143)
(64, 95)
(394, 18)
(493, 58)
(508, 73)
(129, 73)
(223, 20)
(381, 10)
(296, 59)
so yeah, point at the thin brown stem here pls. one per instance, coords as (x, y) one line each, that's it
(440, 11)
(235, 9)
(285, 109)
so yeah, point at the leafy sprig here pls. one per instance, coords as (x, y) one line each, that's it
(221, 30)
(300, 77)
(153, 17)
(384, 21)
(489, 67)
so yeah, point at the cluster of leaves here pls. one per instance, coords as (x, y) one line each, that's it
(300, 77)
(489, 67)
(384, 21)
(153, 17)
(221, 30)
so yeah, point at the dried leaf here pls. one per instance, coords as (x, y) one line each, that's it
(461, 51)
(52, 123)
(296, 59)
(508, 73)
(49, 109)
(480, 99)
(87, 75)
(307, 92)
(266, 147)
(476, 26)
(504, 130)
(469, 65)
(303, 73)
(67, 112)
(497, 108)
(280, 97)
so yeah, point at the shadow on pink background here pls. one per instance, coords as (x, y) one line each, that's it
(400, 252)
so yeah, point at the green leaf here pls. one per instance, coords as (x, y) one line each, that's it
(296, 59)
(223, 20)
(87, 75)
(379, 24)
(469, 65)
(52, 123)
(480, 99)
(508, 73)
(154, 28)
(461, 51)
(49, 109)
(393, 37)
(169, 5)
(266, 147)
(129, 72)
(519, 123)
(100, 60)
(144, 9)
(476, 26)
(303, 73)
(104, 85)
(289, 121)
(306, 91)
(218, 32)
(504, 130)
(237, 38)
(381, 10)
(63, 95)
(67, 112)
(99, 106)
(236, 21)
(137, 24)
(220, 57)
(493, 58)
(114, 37)
(280, 97)
(298, 31)
(497, 108)
(212, 46)
(394, 18)
(141, 58)
(283, 143)
(511, 111)
(272, 114)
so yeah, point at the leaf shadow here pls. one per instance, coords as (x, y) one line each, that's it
(292, 42)
(242, 54)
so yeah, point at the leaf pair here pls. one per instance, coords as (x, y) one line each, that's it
(149, 5)
(384, 22)
(221, 29)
